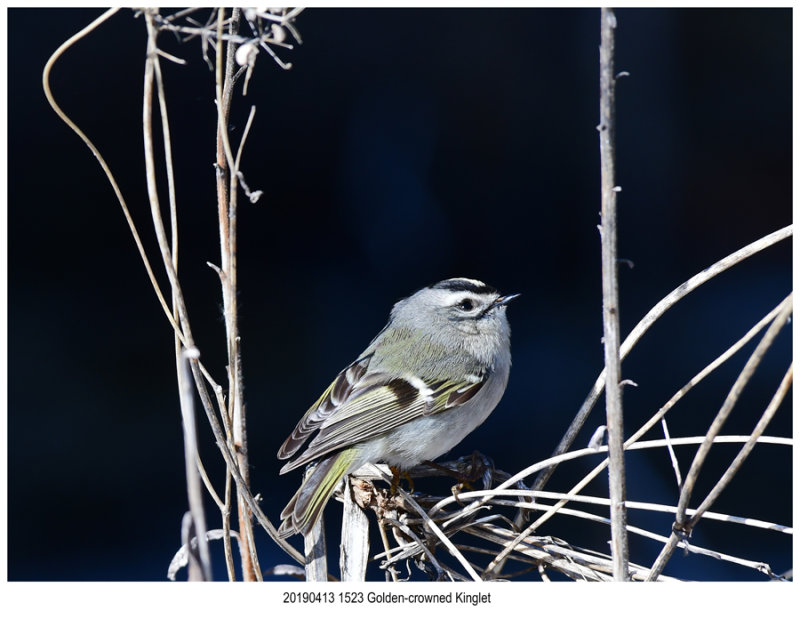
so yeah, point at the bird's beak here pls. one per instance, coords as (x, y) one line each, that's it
(505, 300)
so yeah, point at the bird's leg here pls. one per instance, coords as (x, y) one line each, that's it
(477, 467)
(397, 476)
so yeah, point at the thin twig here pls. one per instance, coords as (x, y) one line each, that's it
(729, 403)
(673, 459)
(193, 487)
(226, 525)
(438, 532)
(106, 170)
(681, 526)
(730, 472)
(695, 380)
(637, 505)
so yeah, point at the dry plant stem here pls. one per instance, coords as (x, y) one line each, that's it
(683, 526)
(422, 546)
(440, 534)
(730, 401)
(200, 373)
(731, 471)
(491, 497)
(231, 464)
(672, 457)
(387, 550)
(354, 548)
(611, 336)
(662, 412)
(183, 374)
(152, 69)
(316, 561)
(106, 170)
(225, 512)
(120, 198)
(495, 495)
(658, 310)
(756, 565)
(152, 187)
(193, 484)
(226, 200)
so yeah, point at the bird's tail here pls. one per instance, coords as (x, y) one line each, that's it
(306, 506)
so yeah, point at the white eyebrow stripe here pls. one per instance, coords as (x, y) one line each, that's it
(454, 297)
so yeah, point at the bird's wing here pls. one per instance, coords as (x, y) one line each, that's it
(376, 405)
(338, 391)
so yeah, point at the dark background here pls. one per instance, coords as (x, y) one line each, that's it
(404, 147)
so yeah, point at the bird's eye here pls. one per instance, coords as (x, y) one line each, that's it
(465, 304)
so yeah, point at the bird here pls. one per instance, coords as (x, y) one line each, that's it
(430, 377)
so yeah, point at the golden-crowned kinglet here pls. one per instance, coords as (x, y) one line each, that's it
(430, 377)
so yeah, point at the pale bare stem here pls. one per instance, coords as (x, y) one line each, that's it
(611, 335)
(439, 533)
(658, 310)
(468, 523)
(691, 548)
(673, 459)
(316, 551)
(207, 482)
(495, 495)
(106, 170)
(231, 464)
(420, 545)
(226, 195)
(203, 570)
(731, 471)
(681, 526)
(181, 558)
(153, 70)
(152, 188)
(180, 14)
(705, 372)
(180, 359)
(730, 402)
(222, 443)
(173, 204)
(226, 527)
(244, 139)
(354, 548)
(199, 371)
(387, 550)
(593, 518)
